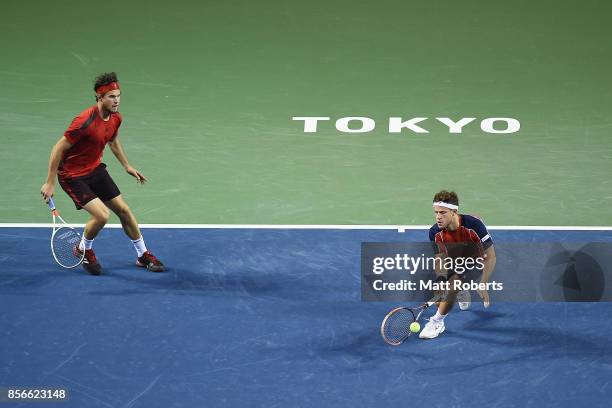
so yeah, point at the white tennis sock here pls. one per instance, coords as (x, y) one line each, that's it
(85, 243)
(139, 246)
(438, 317)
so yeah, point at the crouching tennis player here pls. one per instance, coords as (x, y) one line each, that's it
(452, 231)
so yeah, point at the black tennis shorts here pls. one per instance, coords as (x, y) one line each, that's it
(97, 184)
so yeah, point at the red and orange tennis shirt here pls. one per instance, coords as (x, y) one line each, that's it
(88, 133)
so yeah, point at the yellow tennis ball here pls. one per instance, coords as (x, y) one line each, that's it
(415, 327)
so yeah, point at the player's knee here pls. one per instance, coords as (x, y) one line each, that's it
(124, 212)
(103, 216)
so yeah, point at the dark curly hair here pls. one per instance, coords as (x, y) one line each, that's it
(447, 197)
(104, 79)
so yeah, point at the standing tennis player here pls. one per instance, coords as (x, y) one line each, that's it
(76, 160)
(452, 230)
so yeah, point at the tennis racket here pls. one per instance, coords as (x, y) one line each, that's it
(64, 241)
(395, 327)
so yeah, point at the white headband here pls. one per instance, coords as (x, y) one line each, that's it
(447, 205)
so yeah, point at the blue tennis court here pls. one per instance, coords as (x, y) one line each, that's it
(273, 318)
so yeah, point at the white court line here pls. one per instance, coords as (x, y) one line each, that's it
(321, 226)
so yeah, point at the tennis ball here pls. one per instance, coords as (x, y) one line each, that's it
(415, 327)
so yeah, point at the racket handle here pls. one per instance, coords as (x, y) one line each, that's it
(51, 204)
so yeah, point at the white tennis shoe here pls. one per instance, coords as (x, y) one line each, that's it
(464, 298)
(432, 329)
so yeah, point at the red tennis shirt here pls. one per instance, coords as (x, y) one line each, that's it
(88, 133)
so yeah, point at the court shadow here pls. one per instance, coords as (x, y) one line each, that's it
(29, 283)
(349, 333)
(179, 281)
(368, 344)
(482, 318)
(533, 344)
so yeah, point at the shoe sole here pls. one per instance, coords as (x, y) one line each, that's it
(94, 272)
(151, 268)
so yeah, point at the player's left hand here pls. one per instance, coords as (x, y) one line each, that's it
(484, 295)
(136, 174)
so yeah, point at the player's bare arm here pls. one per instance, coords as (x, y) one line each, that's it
(117, 149)
(489, 265)
(441, 274)
(57, 153)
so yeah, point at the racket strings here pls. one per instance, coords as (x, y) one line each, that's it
(63, 243)
(396, 327)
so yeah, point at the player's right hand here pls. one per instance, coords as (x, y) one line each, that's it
(47, 190)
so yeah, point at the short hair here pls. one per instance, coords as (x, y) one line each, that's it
(449, 197)
(104, 79)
